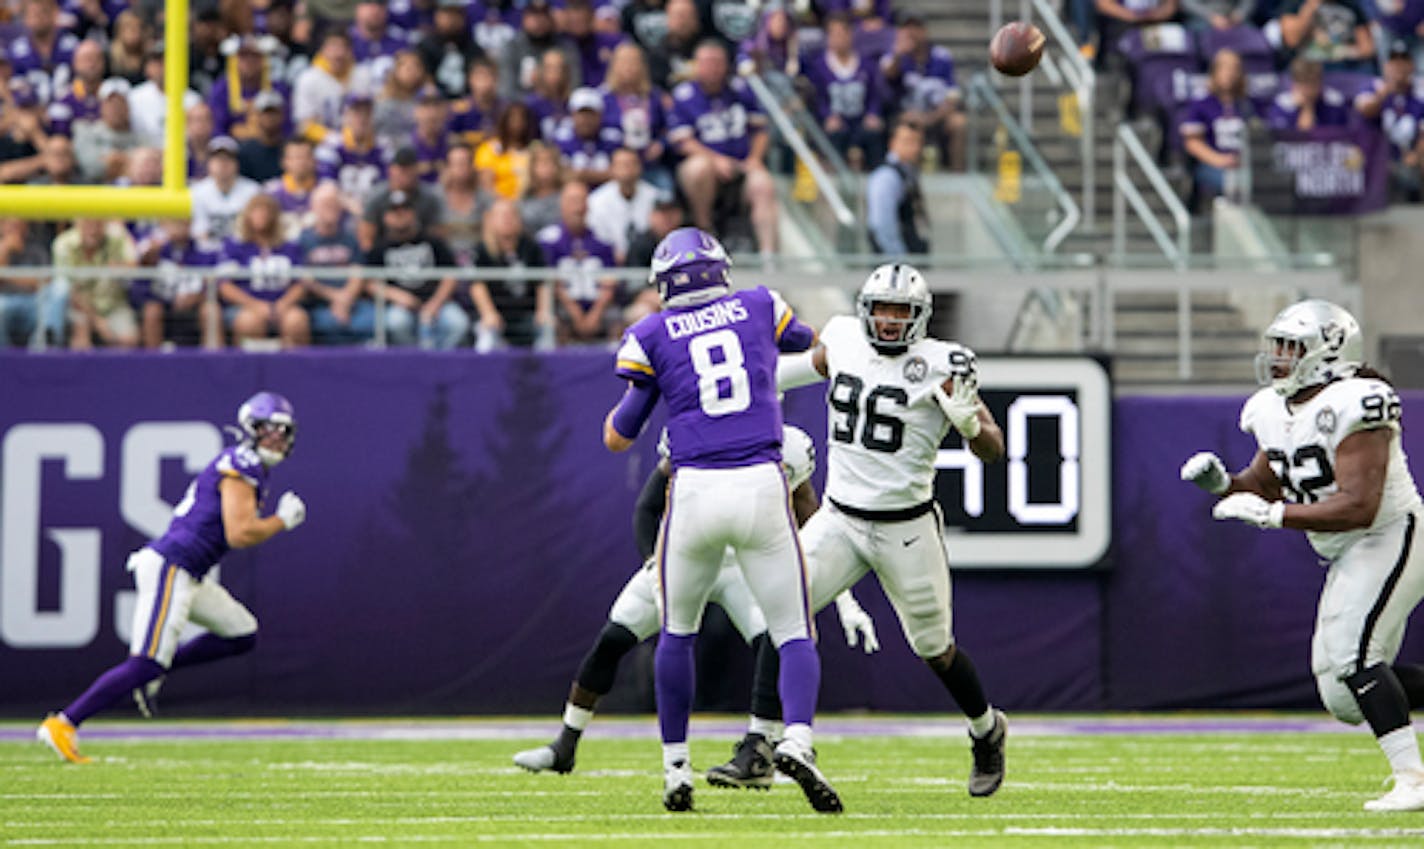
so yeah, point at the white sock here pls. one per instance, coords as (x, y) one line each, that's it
(768, 728)
(981, 725)
(675, 753)
(576, 717)
(800, 734)
(1402, 749)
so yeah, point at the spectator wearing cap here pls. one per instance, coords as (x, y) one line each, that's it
(1308, 103)
(293, 188)
(585, 141)
(586, 299)
(234, 94)
(25, 301)
(219, 198)
(1334, 33)
(354, 158)
(402, 177)
(266, 301)
(79, 100)
(100, 147)
(539, 206)
(593, 49)
(921, 79)
(172, 304)
(205, 59)
(521, 62)
(473, 117)
(515, 312)
(419, 307)
(847, 94)
(148, 105)
(721, 132)
(320, 94)
(395, 108)
(665, 218)
(670, 63)
(1393, 106)
(550, 99)
(374, 42)
(99, 310)
(619, 209)
(128, 49)
(894, 205)
(42, 52)
(22, 133)
(431, 136)
(1213, 127)
(450, 48)
(503, 161)
(340, 312)
(463, 202)
(632, 105)
(259, 157)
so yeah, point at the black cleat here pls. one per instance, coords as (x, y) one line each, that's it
(677, 787)
(988, 771)
(800, 764)
(750, 766)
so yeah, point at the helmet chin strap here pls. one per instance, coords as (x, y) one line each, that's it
(269, 457)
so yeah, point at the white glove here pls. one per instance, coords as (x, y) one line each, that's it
(961, 406)
(857, 623)
(291, 510)
(1206, 470)
(1251, 509)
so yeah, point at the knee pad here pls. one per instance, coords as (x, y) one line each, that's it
(1338, 699)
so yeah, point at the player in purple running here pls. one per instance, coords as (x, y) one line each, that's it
(173, 574)
(711, 354)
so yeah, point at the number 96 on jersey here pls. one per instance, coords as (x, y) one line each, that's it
(1048, 503)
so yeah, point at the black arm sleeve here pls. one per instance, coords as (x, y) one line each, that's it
(648, 513)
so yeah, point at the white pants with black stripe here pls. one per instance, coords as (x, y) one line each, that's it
(908, 557)
(1370, 590)
(169, 597)
(747, 509)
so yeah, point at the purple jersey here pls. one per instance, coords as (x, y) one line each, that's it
(430, 156)
(377, 55)
(923, 86)
(548, 114)
(355, 170)
(49, 76)
(579, 259)
(233, 116)
(724, 122)
(1330, 111)
(715, 366)
(291, 196)
(1401, 118)
(171, 279)
(1221, 125)
(639, 118)
(409, 17)
(271, 269)
(471, 123)
(851, 92)
(594, 54)
(195, 539)
(74, 105)
(593, 154)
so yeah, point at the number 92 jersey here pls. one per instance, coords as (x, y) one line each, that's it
(885, 427)
(1301, 446)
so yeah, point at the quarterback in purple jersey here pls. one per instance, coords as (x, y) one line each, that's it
(173, 574)
(711, 353)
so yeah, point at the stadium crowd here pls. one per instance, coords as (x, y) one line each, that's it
(560, 135)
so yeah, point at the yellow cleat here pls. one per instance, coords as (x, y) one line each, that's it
(59, 734)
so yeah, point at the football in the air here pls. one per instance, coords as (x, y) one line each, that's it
(1016, 48)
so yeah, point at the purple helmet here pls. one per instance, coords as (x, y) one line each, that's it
(690, 268)
(260, 416)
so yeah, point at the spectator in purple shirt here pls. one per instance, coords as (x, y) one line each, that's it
(42, 52)
(1393, 105)
(431, 137)
(1213, 127)
(1307, 104)
(293, 188)
(631, 104)
(473, 118)
(266, 302)
(172, 304)
(721, 132)
(374, 42)
(584, 141)
(552, 89)
(847, 90)
(233, 95)
(586, 301)
(594, 49)
(774, 46)
(921, 79)
(79, 100)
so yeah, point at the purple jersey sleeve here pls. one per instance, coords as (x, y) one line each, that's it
(196, 538)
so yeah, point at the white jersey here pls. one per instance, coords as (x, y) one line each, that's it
(798, 454)
(885, 426)
(1301, 446)
(215, 214)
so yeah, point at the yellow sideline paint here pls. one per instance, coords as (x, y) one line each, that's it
(169, 201)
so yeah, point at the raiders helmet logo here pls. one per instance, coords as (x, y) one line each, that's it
(1325, 421)
(916, 369)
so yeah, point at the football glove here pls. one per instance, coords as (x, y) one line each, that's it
(1206, 470)
(961, 406)
(291, 510)
(858, 626)
(1251, 509)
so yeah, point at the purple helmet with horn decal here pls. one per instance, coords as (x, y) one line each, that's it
(690, 267)
(269, 424)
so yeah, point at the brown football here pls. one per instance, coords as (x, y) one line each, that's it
(1016, 48)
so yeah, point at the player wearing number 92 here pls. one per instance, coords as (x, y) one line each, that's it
(711, 353)
(1329, 462)
(173, 574)
(894, 395)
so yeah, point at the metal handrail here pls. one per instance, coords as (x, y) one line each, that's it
(979, 88)
(783, 123)
(1126, 143)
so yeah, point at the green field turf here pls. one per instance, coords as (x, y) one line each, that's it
(448, 783)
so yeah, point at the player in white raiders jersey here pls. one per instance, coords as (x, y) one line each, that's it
(894, 395)
(1329, 462)
(635, 616)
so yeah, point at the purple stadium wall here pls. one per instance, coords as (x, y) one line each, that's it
(467, 533)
